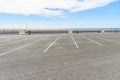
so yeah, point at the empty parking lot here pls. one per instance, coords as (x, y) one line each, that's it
(60, 57)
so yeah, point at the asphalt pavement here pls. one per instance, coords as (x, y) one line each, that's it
(85, 56)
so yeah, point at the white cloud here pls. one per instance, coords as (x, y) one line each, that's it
(49, 7)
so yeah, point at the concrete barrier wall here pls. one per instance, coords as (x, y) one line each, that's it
(53, 31)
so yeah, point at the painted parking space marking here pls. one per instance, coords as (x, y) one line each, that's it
(74, 42)
(93, 41)
(52, 43)
(21, 47)
(108, 40)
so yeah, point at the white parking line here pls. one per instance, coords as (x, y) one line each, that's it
(108, 39)
(21, 47)
(52, 44)
(19, 40)
(93, 41)
(74, 42)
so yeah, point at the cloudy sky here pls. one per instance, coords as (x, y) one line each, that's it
(59, 14)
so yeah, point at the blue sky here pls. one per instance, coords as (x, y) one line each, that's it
(76, 15)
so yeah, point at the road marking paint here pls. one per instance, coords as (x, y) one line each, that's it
(108, 40)
(21, 47)
(74, 42)
(19, 40)
(93, 41)
(52, 44)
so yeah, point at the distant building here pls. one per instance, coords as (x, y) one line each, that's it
(70, 31)
(102, 31)
(22, 32)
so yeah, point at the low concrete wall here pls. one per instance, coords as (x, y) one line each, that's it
(53, 31)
